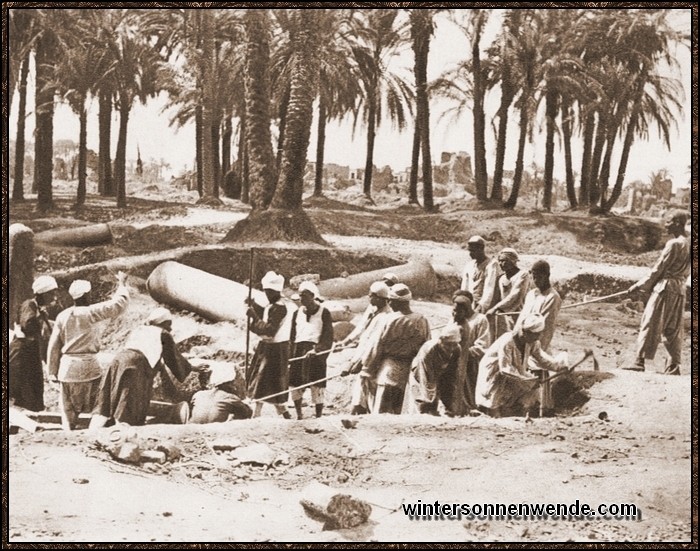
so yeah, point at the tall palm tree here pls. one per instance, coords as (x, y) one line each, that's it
(22, 35)
(285, 218)
(257, 95)
(82, 67)
(502, 66)
(304, 86)
(422, 27)
(137, 73)
(476, 23)
(379, 39)
(654, 99)
(338, 79)
(45, 53)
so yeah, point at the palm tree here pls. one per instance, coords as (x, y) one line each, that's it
(84, 65)
(257, 95)
(45, 52)
(654, 98)
(379, 39)
(476, 23)
(422, 26)
(285, 218)
(338, 79)
(502, 66)
(22, 35)
(137, 73)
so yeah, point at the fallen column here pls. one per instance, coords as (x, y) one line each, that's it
(418, 275)
(212, 297)
(81, 236)
(20, 267)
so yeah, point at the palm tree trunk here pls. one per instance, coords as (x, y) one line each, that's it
(551, 110)
(421, 29)
(588, 130)
(598, 148)
(199, 136)
(320, 145)
(497, 190)
(120, 156)
(624, 158)
(415, 154)
(283, 123)
(480, 169)
(604, 177)
(243, 158)
(18, 183)
(369, 162)
(520, 160)
(44, 109)
(290, 188)
(226, 145)
(257, 97)
(216, 161)
(104, 172)
(82, 157)
(566, 114)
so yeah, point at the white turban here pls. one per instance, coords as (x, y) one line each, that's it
(310, 287)
(390, 276)
(79, 288)
(273, 281)
(380, 289)
(44, 284)
(221, 373)
(451, 333)
(158, 316)
(533, 323)
(400, 292)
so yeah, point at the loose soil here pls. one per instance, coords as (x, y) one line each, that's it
(618, 437)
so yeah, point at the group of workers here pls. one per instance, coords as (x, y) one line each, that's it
(494, 356)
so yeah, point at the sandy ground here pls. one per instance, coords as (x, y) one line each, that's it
(625, 439)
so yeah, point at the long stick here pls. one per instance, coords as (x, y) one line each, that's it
(247, 329)
(583, 303)
(312, 383)
(599, 299)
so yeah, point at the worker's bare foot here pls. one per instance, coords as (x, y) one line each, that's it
(638, 366)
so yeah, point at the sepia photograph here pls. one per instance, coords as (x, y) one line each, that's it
(350, 275)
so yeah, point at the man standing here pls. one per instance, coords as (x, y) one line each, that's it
(364, 390)
(26, 374)
(311, 335)
(220, 402)
(74, 344)
(268, 370)
(378, 303)
(388, 357)
(480, 276)
(663, 315)
(513, 284)
(544, 300)
(126, 387)
(476, 338)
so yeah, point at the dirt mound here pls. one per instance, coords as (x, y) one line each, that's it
(617, 233)
(293, 226)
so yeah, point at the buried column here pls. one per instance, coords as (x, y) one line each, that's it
(20, 267)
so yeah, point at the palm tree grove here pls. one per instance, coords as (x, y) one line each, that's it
(285, 274)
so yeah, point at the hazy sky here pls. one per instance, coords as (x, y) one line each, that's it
(149, 128)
